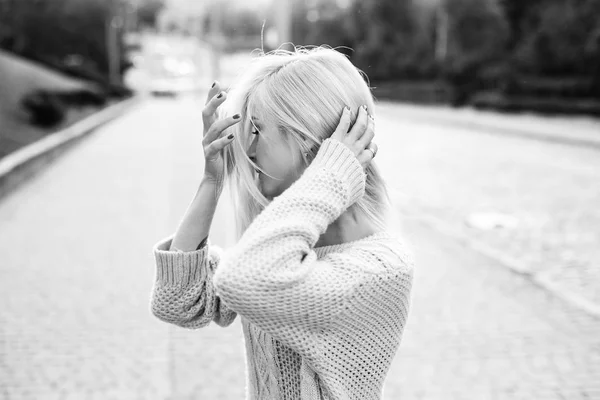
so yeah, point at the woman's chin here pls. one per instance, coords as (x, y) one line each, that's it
(266, 192)
(268, 189)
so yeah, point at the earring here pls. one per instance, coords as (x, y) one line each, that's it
(310, 153)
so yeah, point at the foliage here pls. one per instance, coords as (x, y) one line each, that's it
(47, 108)
(544, 48)
(518, 15)
(148, 11)
(321, 23)
(397, 39)
(477, 32)
(65, 34)
(388, 40)
(44, 108)
(560, 38)
(477, 38)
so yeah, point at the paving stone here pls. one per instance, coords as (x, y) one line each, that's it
(550, 188)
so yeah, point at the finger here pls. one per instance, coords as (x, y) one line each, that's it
(218, 145)
(375, 148)
(213, 91)
(208, 114)
(343, 126)
(366, 156)
(360, 125)
(218, 127)
(369, 134)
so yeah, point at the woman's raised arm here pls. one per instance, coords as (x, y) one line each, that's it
(195, 225)
(183, 292)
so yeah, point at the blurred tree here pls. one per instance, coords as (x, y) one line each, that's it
(389, 39)
(65, 34)
(320, 22)
(148, 11)
(476, 29)
(7, 11)
(476, 45)
(560, 38)
(477, 34)
(477, 37)
(518, 15)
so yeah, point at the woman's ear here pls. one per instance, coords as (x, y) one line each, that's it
(311, 153)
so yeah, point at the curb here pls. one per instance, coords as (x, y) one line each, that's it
(25, 163)
(514, 265)
(427, 114)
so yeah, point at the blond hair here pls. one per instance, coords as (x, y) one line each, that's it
(303, 92)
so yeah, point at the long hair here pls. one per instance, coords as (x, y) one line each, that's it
(303, 92)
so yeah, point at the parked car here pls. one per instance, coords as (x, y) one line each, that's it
(172, 75)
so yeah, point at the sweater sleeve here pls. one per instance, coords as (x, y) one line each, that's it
(272, 276)
(183, 292)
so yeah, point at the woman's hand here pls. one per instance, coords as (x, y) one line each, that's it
(359, 138)
(214, 142)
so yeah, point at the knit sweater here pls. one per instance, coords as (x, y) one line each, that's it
(318, 323)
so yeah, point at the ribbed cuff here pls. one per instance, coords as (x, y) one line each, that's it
(336, 157)
(179, 267)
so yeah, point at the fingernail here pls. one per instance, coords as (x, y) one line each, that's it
(230, 136)
(213, 85)
(220, 95)
(236, 116)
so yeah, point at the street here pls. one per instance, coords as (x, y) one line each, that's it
(78, 266)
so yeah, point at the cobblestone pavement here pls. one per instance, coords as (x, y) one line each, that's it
(552, 189)
(77, 273)
(478, 331)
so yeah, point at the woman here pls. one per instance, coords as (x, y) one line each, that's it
(321, 286)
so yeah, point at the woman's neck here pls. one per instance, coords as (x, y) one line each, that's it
(348, 227)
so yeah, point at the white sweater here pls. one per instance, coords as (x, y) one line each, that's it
(319, 323)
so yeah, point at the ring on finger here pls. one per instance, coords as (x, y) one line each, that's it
(372, 147)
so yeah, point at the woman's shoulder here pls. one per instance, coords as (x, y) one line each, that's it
(386, 252)
(382, 252)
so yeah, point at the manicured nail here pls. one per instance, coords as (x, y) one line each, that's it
(213, 85)
(230, 136)
(236, 116)
(220, 95)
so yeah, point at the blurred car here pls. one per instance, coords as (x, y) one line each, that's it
(172, 75)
